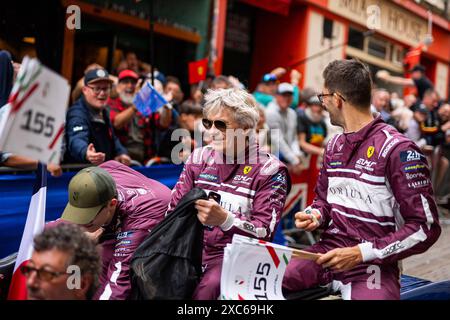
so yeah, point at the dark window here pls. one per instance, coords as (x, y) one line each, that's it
(377, 49)
(355, 39)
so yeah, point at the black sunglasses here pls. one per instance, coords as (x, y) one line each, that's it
(219, 124)
(42, 274)
(320, 96)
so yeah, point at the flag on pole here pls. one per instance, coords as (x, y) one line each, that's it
(148, 100)
(33, 226)
(197, 70)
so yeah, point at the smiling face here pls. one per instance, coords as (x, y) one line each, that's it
(97, 93)
(219, 140)
(126, 90)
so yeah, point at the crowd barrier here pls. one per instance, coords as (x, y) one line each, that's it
(16, 190)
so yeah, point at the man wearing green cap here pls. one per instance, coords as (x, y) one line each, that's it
(118, 206)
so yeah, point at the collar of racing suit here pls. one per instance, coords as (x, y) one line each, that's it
(362, 134)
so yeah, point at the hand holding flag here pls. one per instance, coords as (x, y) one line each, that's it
(148, 100)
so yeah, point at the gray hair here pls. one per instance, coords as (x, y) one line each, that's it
(71, 239)
(241, 104)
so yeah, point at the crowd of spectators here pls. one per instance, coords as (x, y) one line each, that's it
(103, 123)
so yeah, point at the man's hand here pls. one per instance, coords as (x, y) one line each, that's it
(54, 169)
(341, 259)
(124, 159)
(210, 212)
(306, 221)
(95, 235)
(93, 156)
(278, 72)
(295, 77)
(382, 74)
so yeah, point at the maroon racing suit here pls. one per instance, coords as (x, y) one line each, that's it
(374, 191)
(253, 193)
(142, 203)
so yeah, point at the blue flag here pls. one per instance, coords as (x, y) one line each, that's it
(148, 100)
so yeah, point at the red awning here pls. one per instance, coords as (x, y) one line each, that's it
(276, 6)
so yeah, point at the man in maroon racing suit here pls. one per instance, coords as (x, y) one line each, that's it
(117, 206)
(374, 197)
(252, 185)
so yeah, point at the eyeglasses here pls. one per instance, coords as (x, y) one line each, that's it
(219, 124)
(320, 96)
(97, 90)
(42, 274)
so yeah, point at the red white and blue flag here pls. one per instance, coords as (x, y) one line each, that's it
(33, 226)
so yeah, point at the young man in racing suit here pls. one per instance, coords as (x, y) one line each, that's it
(374, 197)
(253, 191)
(117, 206)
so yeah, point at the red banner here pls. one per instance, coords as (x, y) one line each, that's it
(197, 70)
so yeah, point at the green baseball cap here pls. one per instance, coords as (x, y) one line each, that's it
(89, 190)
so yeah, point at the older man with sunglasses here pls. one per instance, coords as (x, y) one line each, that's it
(249, 185)
(90, 136)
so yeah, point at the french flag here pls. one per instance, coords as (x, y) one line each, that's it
(34, 225)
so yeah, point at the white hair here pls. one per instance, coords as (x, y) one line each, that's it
(241, 104)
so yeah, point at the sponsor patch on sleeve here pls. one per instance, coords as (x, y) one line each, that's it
(414, 167)
(411, 155)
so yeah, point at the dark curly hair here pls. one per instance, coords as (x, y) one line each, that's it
(71, 239)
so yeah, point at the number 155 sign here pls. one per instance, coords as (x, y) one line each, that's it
(33, 121)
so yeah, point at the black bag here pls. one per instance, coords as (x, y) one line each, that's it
(168, 263)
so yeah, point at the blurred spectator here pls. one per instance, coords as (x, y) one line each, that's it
(267, 88)
(131, 62)
(118, 207)
(172, 88)
(311, 127)
(190, 117)
(59, 252)
(442, 183)
(401, 114)
(173, 94)
(410, 100)
(418, 79)
(90, 137)
(196, 94)
(221, 82)
(15, 161)
(430, 128)
(380, 104)
(280, 116)
(6, 76)
(414, 131)
(133, 129)
(191, 114)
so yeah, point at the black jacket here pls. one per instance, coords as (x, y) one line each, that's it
(82, 129)
(167, 264)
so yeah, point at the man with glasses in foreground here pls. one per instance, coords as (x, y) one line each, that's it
(374, 197)
(90, 137)
(118, 207)
(61, 254)
(248, 187)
